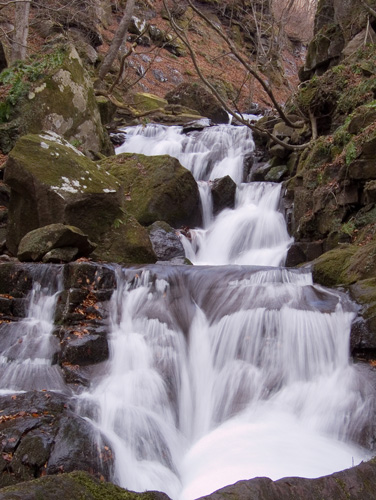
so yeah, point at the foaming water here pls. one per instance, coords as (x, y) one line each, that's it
(28, 346)
(254, 232)
(209, 154)
(222, 374)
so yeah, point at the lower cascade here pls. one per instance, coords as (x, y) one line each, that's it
(222, 375)
(226, 371)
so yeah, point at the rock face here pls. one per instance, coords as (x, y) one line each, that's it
(51, 182)
(337, 22)
(156, 188)
(36, 244)
(194, 96)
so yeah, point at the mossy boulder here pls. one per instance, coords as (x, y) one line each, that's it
(76, 485)
(62, 100)
(144, 101)
(195, 96)
(156, 188)
(37, 243)
(51, 182)
(346, 265)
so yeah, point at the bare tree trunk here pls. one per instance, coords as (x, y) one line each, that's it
(118, 39)
(21, 30)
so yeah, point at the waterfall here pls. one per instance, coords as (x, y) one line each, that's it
(28, 346)
(254, 232)
(222, 373)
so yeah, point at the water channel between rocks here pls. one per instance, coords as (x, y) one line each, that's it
(227, 370)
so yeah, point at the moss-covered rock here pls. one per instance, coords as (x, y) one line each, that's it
(156, 188)
(76, 485)
(35, 244)
(346, 265)
(195, 96)
(62, 100)
(51, 182)
(144, 101)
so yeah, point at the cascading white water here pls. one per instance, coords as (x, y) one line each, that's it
(254, 232)
(28, 346)
(225, 373)
(222, 374)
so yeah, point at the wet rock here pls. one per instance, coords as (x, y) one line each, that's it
(194, 96)
(84, 346)
(156, 188)
(15, 280)
(223, 192)
(40, 434)
(260, 171)
(166, 243)
(36, 244)
(301, 252)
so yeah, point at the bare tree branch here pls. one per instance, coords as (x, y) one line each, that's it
(182, 36)
(369, 8)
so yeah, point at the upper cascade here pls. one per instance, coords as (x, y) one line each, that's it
(254, 231)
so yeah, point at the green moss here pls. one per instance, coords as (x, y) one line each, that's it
(60, 166)
(330, 268)
(23, 74)
(76, 485)
(155, 187)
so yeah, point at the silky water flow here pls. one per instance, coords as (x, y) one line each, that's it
(227, 371)
(27, 348)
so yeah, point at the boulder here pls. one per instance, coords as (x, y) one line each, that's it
(166, 243)
(156, 188)
(37, 243)
(144, 101)
(277, 174)
(52, 182)
(195, 96)
(223, 193)
(63, 101)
